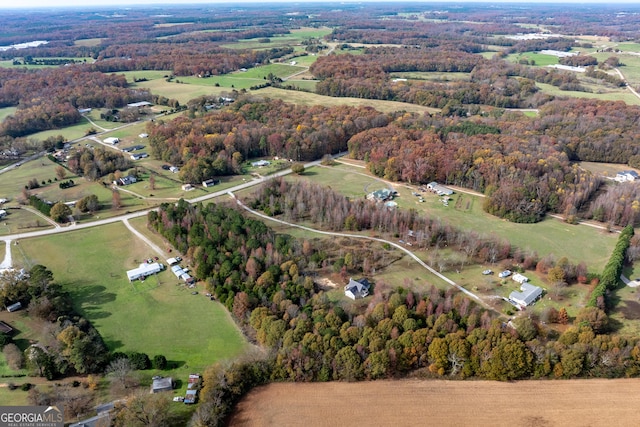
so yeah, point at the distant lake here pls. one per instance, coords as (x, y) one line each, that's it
(23, 45)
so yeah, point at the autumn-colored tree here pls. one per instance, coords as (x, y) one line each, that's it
(563, 316)
(60, 212)
(61, 172)
(116, 201)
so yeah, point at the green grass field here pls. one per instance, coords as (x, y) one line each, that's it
(550, 236)
(540, 59)
(88, 42)
(6, 111)
(157, 316)
(610, 95)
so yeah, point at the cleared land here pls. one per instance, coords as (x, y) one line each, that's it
(157, 316)
(443, 403)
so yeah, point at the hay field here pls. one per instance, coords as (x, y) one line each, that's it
(594, 402)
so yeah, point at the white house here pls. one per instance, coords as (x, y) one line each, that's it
(528, 295)
(144, 270)
(111, 140)
(625, 176)
(357, 288)
(520, 278)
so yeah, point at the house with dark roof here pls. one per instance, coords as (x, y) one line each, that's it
(356, 289)
(382, 195)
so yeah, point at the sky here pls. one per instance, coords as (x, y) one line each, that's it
(6, 4)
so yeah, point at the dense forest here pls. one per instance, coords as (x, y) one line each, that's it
(50, 98)
(217, 143)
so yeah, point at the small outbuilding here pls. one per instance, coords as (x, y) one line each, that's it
(517, 277)
(162, 384)
(260, 163)
(111, 140)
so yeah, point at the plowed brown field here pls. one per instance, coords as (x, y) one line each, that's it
(563, 403)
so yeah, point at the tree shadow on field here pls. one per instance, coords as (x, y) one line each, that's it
(91, 299)
(113, 345)
(174, 364)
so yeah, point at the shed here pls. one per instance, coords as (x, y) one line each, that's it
(260, 163)
(209, 183)
(187, 187)
(172, 261)
(3, 213)
(520, 278)
(162, 384)
(111, 140)
(139, 104)
(5, 328)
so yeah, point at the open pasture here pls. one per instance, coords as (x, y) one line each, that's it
(157, 316)
(550, 236)
(6, 111)
(441, 403)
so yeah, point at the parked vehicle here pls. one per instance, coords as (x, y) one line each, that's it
(504, 274)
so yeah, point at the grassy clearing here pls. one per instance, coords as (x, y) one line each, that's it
(432, 76)
(70, 133)
(540, 59)
(612, 95)
(550, 236)
(306, 98)
(604, 169)
(6, 111)
(157, 316)
(182, 92)
(89, 42)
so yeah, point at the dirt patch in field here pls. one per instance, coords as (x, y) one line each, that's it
(596, 402)
(326, 284)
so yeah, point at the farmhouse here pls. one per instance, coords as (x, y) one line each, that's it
(382, 195)
(440, 190)
(111, 140)
(528, 295)
(161, 384)
(625, 176)
(260, 163)
(125, 180)
(520, 278)
(357, 288)
(144, 270)
(14, 307)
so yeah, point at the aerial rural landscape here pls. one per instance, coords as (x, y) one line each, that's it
(252, 214)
